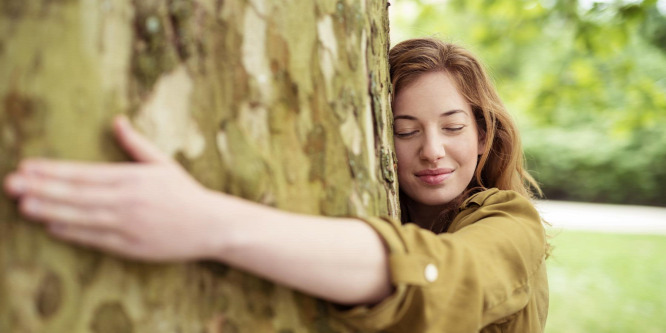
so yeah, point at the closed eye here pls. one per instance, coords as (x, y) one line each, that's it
(403, 135)
(454, 128)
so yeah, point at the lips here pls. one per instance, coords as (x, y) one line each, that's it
(434, 176)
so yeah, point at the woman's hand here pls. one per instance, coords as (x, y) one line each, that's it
(151, 210)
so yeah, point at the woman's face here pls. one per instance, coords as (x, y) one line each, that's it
(436, 139)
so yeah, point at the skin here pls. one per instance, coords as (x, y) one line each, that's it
(437, 143)
(137, 210)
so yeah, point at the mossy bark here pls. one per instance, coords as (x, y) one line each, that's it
(280, 102)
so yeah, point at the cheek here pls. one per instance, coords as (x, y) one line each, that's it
(465, 153)
(469, 147)
(404, 160)
(403, 156)
(468, 151)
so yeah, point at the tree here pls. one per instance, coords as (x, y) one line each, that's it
(280, 102)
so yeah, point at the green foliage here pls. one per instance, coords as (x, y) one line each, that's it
(585, 79)
(584, 165)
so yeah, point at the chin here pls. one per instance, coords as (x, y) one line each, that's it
(431, 196)
(438, 202)
(436, 198)
(434, 201)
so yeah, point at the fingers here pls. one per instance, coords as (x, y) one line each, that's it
(93, 237)
(65, 214)
(65, 201)
(80, 172)
(136, 144)
(63, 190)
(13, 185)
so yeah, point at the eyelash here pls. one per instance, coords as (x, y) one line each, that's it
(455, 129)
(405, 135)
(408, 134)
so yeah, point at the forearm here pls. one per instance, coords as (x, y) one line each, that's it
(338, 259)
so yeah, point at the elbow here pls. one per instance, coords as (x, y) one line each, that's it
(367, 287)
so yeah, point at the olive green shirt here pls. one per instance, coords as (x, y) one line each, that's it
(485, 274)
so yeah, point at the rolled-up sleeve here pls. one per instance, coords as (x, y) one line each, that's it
(462, 280)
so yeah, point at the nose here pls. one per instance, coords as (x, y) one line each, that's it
(432, 148)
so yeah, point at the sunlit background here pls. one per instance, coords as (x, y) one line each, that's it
(586, 81)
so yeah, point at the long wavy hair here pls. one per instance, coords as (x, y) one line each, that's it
(502, 164)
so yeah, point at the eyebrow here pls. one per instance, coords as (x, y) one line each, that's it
(443, 114)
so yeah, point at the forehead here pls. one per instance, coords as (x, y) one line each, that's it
(433, 92)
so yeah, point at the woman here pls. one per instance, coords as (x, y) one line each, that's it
(473, 260)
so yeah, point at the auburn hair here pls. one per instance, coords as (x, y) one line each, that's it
(502, 164)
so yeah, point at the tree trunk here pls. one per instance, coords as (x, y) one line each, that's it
(280, 102)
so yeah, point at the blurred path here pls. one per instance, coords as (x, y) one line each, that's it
(603, 217)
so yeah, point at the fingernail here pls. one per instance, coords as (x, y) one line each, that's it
(16, 184)
(123, 121)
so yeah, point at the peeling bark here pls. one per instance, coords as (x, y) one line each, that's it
(280, 102)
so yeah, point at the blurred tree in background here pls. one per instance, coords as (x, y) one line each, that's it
(585, 79)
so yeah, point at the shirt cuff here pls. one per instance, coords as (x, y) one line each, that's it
(407, 271)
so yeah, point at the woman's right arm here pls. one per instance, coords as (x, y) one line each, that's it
(338, 259)
(153, 210)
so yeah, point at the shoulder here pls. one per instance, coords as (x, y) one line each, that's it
(495, 196)
(494, 204)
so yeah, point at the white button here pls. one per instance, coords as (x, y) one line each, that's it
(431, 273)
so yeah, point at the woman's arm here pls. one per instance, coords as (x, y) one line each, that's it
(153, 210)
(338, 259)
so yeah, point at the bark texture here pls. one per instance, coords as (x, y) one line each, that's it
(281, 102)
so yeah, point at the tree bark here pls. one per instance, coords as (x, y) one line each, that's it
(280, 102)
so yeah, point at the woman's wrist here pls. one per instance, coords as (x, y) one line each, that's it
(235, 223)
(219, 232)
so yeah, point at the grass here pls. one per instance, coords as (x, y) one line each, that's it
(603, 282)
